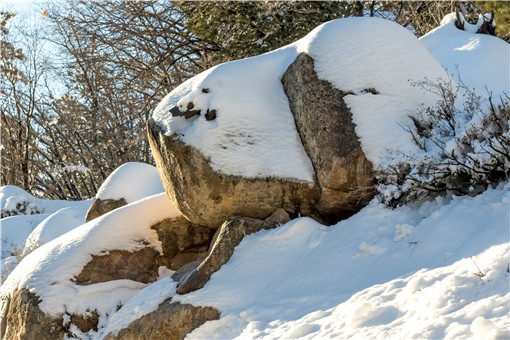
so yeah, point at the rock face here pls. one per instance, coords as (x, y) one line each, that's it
(100, 207)
(171, 321)
(343, 176)
(182, 241)
(226, 239)
(208, 198)
(325, 126)
(141, 266)
(22, 319)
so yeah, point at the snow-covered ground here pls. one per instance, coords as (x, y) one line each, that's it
(369, 276)
(439, 269)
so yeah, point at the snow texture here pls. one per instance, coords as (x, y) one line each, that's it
(307, 280)
(14, 231)
(58, 223)
(254, 121)
(131, 181)
(481, 60)
(48, 271)
(11, 195)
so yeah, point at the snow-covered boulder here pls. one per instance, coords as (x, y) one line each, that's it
(171, 320)
(225, 142)
(130, 182)
(94, 267)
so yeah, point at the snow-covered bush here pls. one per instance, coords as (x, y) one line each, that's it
(24, 207)
(466, 146)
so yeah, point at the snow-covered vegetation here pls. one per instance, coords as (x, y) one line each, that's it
(436, 268)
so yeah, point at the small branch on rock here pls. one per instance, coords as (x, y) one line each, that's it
(458, 22)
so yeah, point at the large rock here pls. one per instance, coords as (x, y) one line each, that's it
(327, 131)
(343, 181)
(171, 321)
(22, 319)
(208, 198)
(226, 239)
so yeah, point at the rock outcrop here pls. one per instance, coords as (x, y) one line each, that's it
(141, 266)
(171, 321)
(325, 125)
(100, 207)
(226, 239)
(182, 241)
(343, 176)
(208, 198)
(22, 319)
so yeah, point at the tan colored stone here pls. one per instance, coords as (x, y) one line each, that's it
(171, 321)
(279, 216)
(141, 266)
(24, 320)
(100, 207)
(208, 198)
(182, 241)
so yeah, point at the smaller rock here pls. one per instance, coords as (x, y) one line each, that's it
(182, 241)
(279, 216)
(100, 207)
(226, 239)
(186, 114)
(171, 321)
(185, 270)
(210, 115)
(86, 323)
(141, 266)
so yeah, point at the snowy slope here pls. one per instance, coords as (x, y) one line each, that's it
(280, 276)
(58, 223)
(254, 121)
(131, 181)
(482, 61)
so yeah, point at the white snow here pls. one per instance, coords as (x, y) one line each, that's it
(11, 195)
(131, 181)
(355, 279)
(58, 223)
(254, 119)
(48, 271)
(146, 301)
(481, 60)
(14, 231)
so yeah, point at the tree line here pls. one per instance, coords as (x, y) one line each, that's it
(73, 112)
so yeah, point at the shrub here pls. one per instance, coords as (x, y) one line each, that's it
(465, 148)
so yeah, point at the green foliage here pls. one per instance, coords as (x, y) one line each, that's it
(234, 30)
(501, 11)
